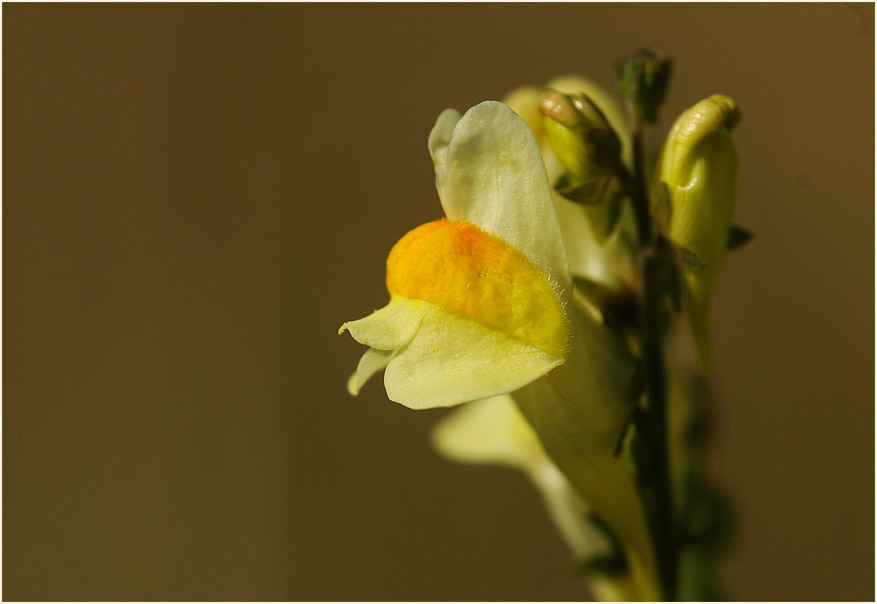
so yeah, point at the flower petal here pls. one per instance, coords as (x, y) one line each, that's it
(440, 137)
(493, 176)
(453, 359)
(465, 270)
(371, 362)
(389, 328)
(489, 431)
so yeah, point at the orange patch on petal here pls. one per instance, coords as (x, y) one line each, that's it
(466, 270)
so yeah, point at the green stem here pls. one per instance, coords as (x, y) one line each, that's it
(664, 528)
(639, 192)
(656, 479)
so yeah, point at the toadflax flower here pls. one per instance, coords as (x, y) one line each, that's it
(477, 299)
(481, 304)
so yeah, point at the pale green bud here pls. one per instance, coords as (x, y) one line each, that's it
(580, 136)
(697, 182)
(589, 151)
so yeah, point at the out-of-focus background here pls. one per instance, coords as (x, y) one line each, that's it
(196, 196)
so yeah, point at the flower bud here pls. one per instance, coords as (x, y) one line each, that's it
(597, 237)
(642, 81)
(589, 152)
(580, 136)
(698, 167)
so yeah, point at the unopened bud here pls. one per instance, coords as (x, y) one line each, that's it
(642, 81)
(697, 177)
(561, 108)
(580, 136)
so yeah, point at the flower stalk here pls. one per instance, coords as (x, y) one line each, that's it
(654, 476)
(651, 424)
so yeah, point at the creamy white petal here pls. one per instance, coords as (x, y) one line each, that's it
(371, 362)
(454, 359)
(489, 431)
(439, 138)
(389, 328)
(493, 176)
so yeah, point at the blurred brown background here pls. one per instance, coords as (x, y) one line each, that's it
(196, 196)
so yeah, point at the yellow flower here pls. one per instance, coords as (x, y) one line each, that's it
(481, 305)
(698, 165)
(478, 301)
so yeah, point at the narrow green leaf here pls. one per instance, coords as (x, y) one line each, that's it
(738, 237)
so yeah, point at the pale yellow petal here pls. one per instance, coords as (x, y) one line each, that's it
(494, 177)
(454, 359)
(489, 431)
(439, 138)
(389, 328)
(369, 364)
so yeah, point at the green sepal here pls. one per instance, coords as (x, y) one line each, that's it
(605, 145)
